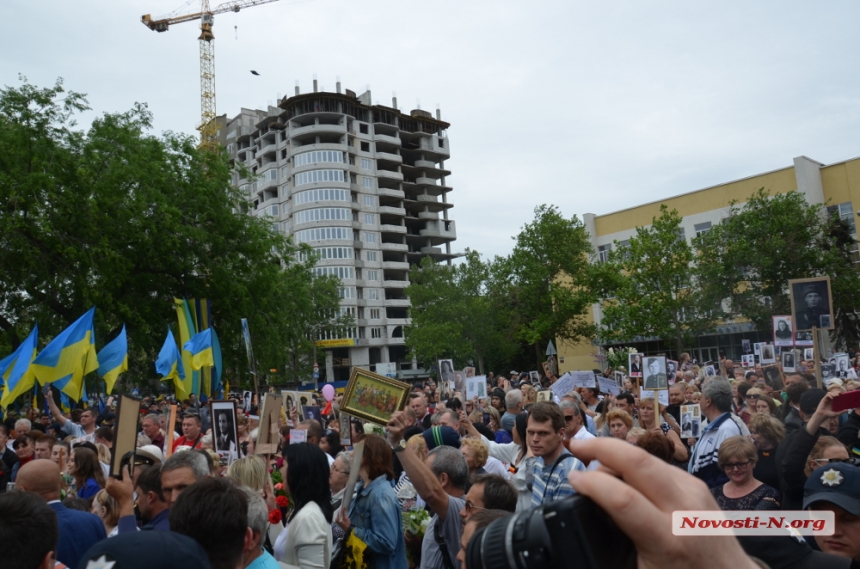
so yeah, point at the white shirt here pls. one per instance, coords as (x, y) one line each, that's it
(583, 435)
(496, 466)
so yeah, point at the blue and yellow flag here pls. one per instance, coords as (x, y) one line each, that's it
(187, 329)
(113, 360)
(169, 365)
(17, 370)
(69, 357)
(200, 348)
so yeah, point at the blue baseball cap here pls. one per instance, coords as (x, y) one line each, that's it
(837, 483)
(144, 549)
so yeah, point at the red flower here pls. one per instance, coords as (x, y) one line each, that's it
(279, 486)
(282, 501)
(275, 516)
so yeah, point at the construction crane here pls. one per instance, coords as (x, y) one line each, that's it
(207, 127)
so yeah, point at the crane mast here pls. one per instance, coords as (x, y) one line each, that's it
(208, 127)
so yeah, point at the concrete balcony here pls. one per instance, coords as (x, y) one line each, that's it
(398, 194)
(437, 229)
(395, 284)
(390, 157)
(393, 229)
(400, 247)
(396, 341)
(267, 149)
(392, 211)
(398, 321)
(394, 302)
(425, 181)
(431, 250)
(388, 174)
(428, 215)
(395, 265)
(426, 198)
(318, 128)
(389, 139)
(425, 164)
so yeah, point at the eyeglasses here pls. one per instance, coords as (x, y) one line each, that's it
(754, 396)
(736, 465)
(470, 506)
(568, 417)
(824, 461)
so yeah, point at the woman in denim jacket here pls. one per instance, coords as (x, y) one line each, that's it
(374, 514)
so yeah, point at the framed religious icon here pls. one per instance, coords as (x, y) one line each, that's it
(783, 335)
(373, 397)
(811, 303)
(225, 435)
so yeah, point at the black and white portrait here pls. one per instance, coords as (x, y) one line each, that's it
(246, 401)
(655, 373)
(773, 377)
(671, 370)
(224, 435)
(843, 366)
(534, 377)
(757, 348)
(635, 361)
(788, 361)
(767, 354)
(710, 371)
(828, 372)
(619, 379)
(691, 421)
(811, 303)
(808, 353)
(803, 338)
(446, 371)
(748, 360)
(782, 335)
(746, 346)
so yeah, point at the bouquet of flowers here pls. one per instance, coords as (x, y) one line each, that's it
(282, 498)
(374, 429)
(618, 359)
(415, 524)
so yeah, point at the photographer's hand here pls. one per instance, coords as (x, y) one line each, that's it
(642, 502)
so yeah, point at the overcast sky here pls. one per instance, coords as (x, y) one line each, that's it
(591, 106)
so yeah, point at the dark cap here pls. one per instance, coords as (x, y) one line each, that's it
(810, 399)
(498, 392)
(441, 436)
(145, 549)
(837, 483)
(789, 552)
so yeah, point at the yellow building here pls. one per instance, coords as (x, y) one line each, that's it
(835, 185)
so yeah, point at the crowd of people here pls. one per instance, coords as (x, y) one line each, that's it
(435, 475)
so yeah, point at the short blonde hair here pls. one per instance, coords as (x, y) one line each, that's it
(635, 432)
(111, 507)
(622, 416)
(738, 447)
(249, 471)
(478, 447)
(418, 445)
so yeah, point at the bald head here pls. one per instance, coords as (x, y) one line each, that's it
(41, 477)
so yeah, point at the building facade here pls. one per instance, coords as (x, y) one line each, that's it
(835, 185)
(366, 187)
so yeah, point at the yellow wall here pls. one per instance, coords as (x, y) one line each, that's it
(699, 201)
(841, 183)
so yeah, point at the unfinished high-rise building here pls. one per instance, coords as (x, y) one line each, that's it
(366, 187)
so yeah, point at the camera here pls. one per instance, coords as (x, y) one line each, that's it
(570, 533)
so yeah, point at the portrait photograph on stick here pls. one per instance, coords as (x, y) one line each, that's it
(635, 365)
(544, 395)
(773, 376)
(125, 437)
(768, 355)
(811, 303)
(788, 361)
(748, 360)
(224, 432)
(803, 338)
(782, 331)
(655, 373)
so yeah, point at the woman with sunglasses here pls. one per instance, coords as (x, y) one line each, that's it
(737, 458)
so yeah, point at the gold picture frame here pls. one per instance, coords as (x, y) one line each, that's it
(373, 397)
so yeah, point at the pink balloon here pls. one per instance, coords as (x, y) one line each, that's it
(328, 392)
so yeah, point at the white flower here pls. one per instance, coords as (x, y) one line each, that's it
(832, 478)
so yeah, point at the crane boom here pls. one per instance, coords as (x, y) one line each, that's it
(207, 127)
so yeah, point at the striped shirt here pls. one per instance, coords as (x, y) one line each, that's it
(550, 481)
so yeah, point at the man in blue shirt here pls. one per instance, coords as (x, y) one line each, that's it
(545, 433)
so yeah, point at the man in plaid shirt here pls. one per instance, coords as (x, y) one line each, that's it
(545, 433)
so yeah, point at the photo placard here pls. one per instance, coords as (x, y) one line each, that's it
(125, 433)
(634, 367)
(268, 435)
(655, 373)
(783, 333)
(476, 387)
(811, 303)
(691, 421)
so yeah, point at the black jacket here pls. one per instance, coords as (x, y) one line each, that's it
(7, 462)
(847, 434)
(791, 455)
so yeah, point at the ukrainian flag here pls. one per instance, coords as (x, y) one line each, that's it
(200, 348)
(169, 365)
(17, 371)
(69, 357)
(187, 329)
(113, 360)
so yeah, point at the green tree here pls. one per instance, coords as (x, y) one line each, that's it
(550, 280)
(456, 313)
(749, 258)
(653, 291)
(118, 218)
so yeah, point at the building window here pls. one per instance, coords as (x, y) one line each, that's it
(374, 314)
(682, 235)
(372, 293)
(346, 291)
(843, 212)
(330, 253)
(603, 253)
(372, 275)
(322, 214)
(366, 164)
(365, 147)
(376, 332)
(319, 176)
(366, 182)
(321, 194)
(370, 237)
(370, 255)
(363, 128)
(369, 218)
(270, 174)
(702, 228)
(323, 233)
(316, 156)
(369, 201)
(339, 272)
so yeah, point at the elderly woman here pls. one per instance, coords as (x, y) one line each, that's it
(619, 423)
(475, 453)
(648, 422)
(737, 458)
(375, 514)
(765, 433)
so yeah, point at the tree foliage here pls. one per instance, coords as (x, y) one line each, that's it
(652, 288)
(749, 258)
(126, 221)
(550, 280)
(457, 313)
